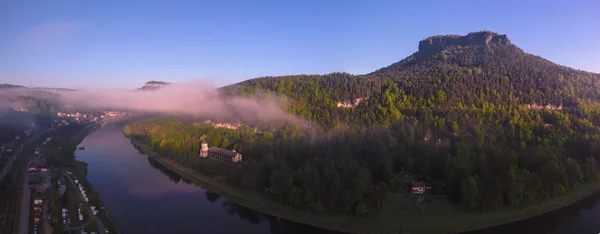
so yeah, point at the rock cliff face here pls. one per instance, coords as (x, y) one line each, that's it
(438, 43)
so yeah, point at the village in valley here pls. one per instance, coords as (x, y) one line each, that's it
(45, 195)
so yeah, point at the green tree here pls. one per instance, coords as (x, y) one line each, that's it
(469, 193)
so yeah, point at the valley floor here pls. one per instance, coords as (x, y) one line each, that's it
(400, 215)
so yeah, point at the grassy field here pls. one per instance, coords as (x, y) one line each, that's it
(400, 215)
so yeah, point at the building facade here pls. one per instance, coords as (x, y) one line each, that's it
(219, 154)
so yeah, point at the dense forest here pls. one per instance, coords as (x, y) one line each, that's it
(462, 113)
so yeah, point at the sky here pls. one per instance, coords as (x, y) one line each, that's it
(123, 44)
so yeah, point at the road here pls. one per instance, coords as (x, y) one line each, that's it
(13, 194)
(24, 213)
(92, 216)
(16, 153)
(26, 197)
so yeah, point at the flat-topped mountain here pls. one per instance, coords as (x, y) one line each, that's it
(152, 85)
(435, 44)
(473, 69)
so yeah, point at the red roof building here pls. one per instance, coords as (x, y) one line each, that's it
(418, 188)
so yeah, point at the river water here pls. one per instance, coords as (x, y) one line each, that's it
(144, 197)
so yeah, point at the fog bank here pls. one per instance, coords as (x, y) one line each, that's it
(197, 98)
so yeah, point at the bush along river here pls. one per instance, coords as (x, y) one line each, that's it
(145, 197)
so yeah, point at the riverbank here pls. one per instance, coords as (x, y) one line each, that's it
(81, 168)
(400, 215)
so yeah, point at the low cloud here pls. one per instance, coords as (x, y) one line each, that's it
(196, 98)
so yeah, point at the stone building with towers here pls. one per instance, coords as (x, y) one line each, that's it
(219, 154)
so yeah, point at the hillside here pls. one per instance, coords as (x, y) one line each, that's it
(33, 100)
(152, 85)
(481, 67)
(490, 127)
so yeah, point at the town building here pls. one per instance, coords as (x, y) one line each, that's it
(219, 154)
(37, 200)
(420, 187)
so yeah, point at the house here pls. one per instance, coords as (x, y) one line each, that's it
(219, 154)
(418, 188)
(37, 200)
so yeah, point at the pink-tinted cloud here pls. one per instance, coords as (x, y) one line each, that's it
(197, 98)
(43, 36)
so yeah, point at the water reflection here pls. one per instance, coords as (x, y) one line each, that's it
(244, 213)
(580, 217)
(146, 197)
(251, 216)
(173, 176)
(211, 196)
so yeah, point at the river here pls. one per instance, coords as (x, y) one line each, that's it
(144, 197)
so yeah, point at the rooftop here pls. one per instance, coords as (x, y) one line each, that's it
(226, 152)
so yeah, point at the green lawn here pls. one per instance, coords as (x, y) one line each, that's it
(399, 215)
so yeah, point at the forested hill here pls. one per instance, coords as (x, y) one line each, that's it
(33, 100)
(495, 125)
(152, 85)
(476, 69)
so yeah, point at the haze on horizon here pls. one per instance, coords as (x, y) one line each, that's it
(113, 45)
(197, 98)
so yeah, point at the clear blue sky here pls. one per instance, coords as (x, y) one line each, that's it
(112, 44)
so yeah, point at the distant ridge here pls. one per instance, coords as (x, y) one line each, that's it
(153, 85)
(8, 86)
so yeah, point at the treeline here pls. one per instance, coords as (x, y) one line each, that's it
(518, 155)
